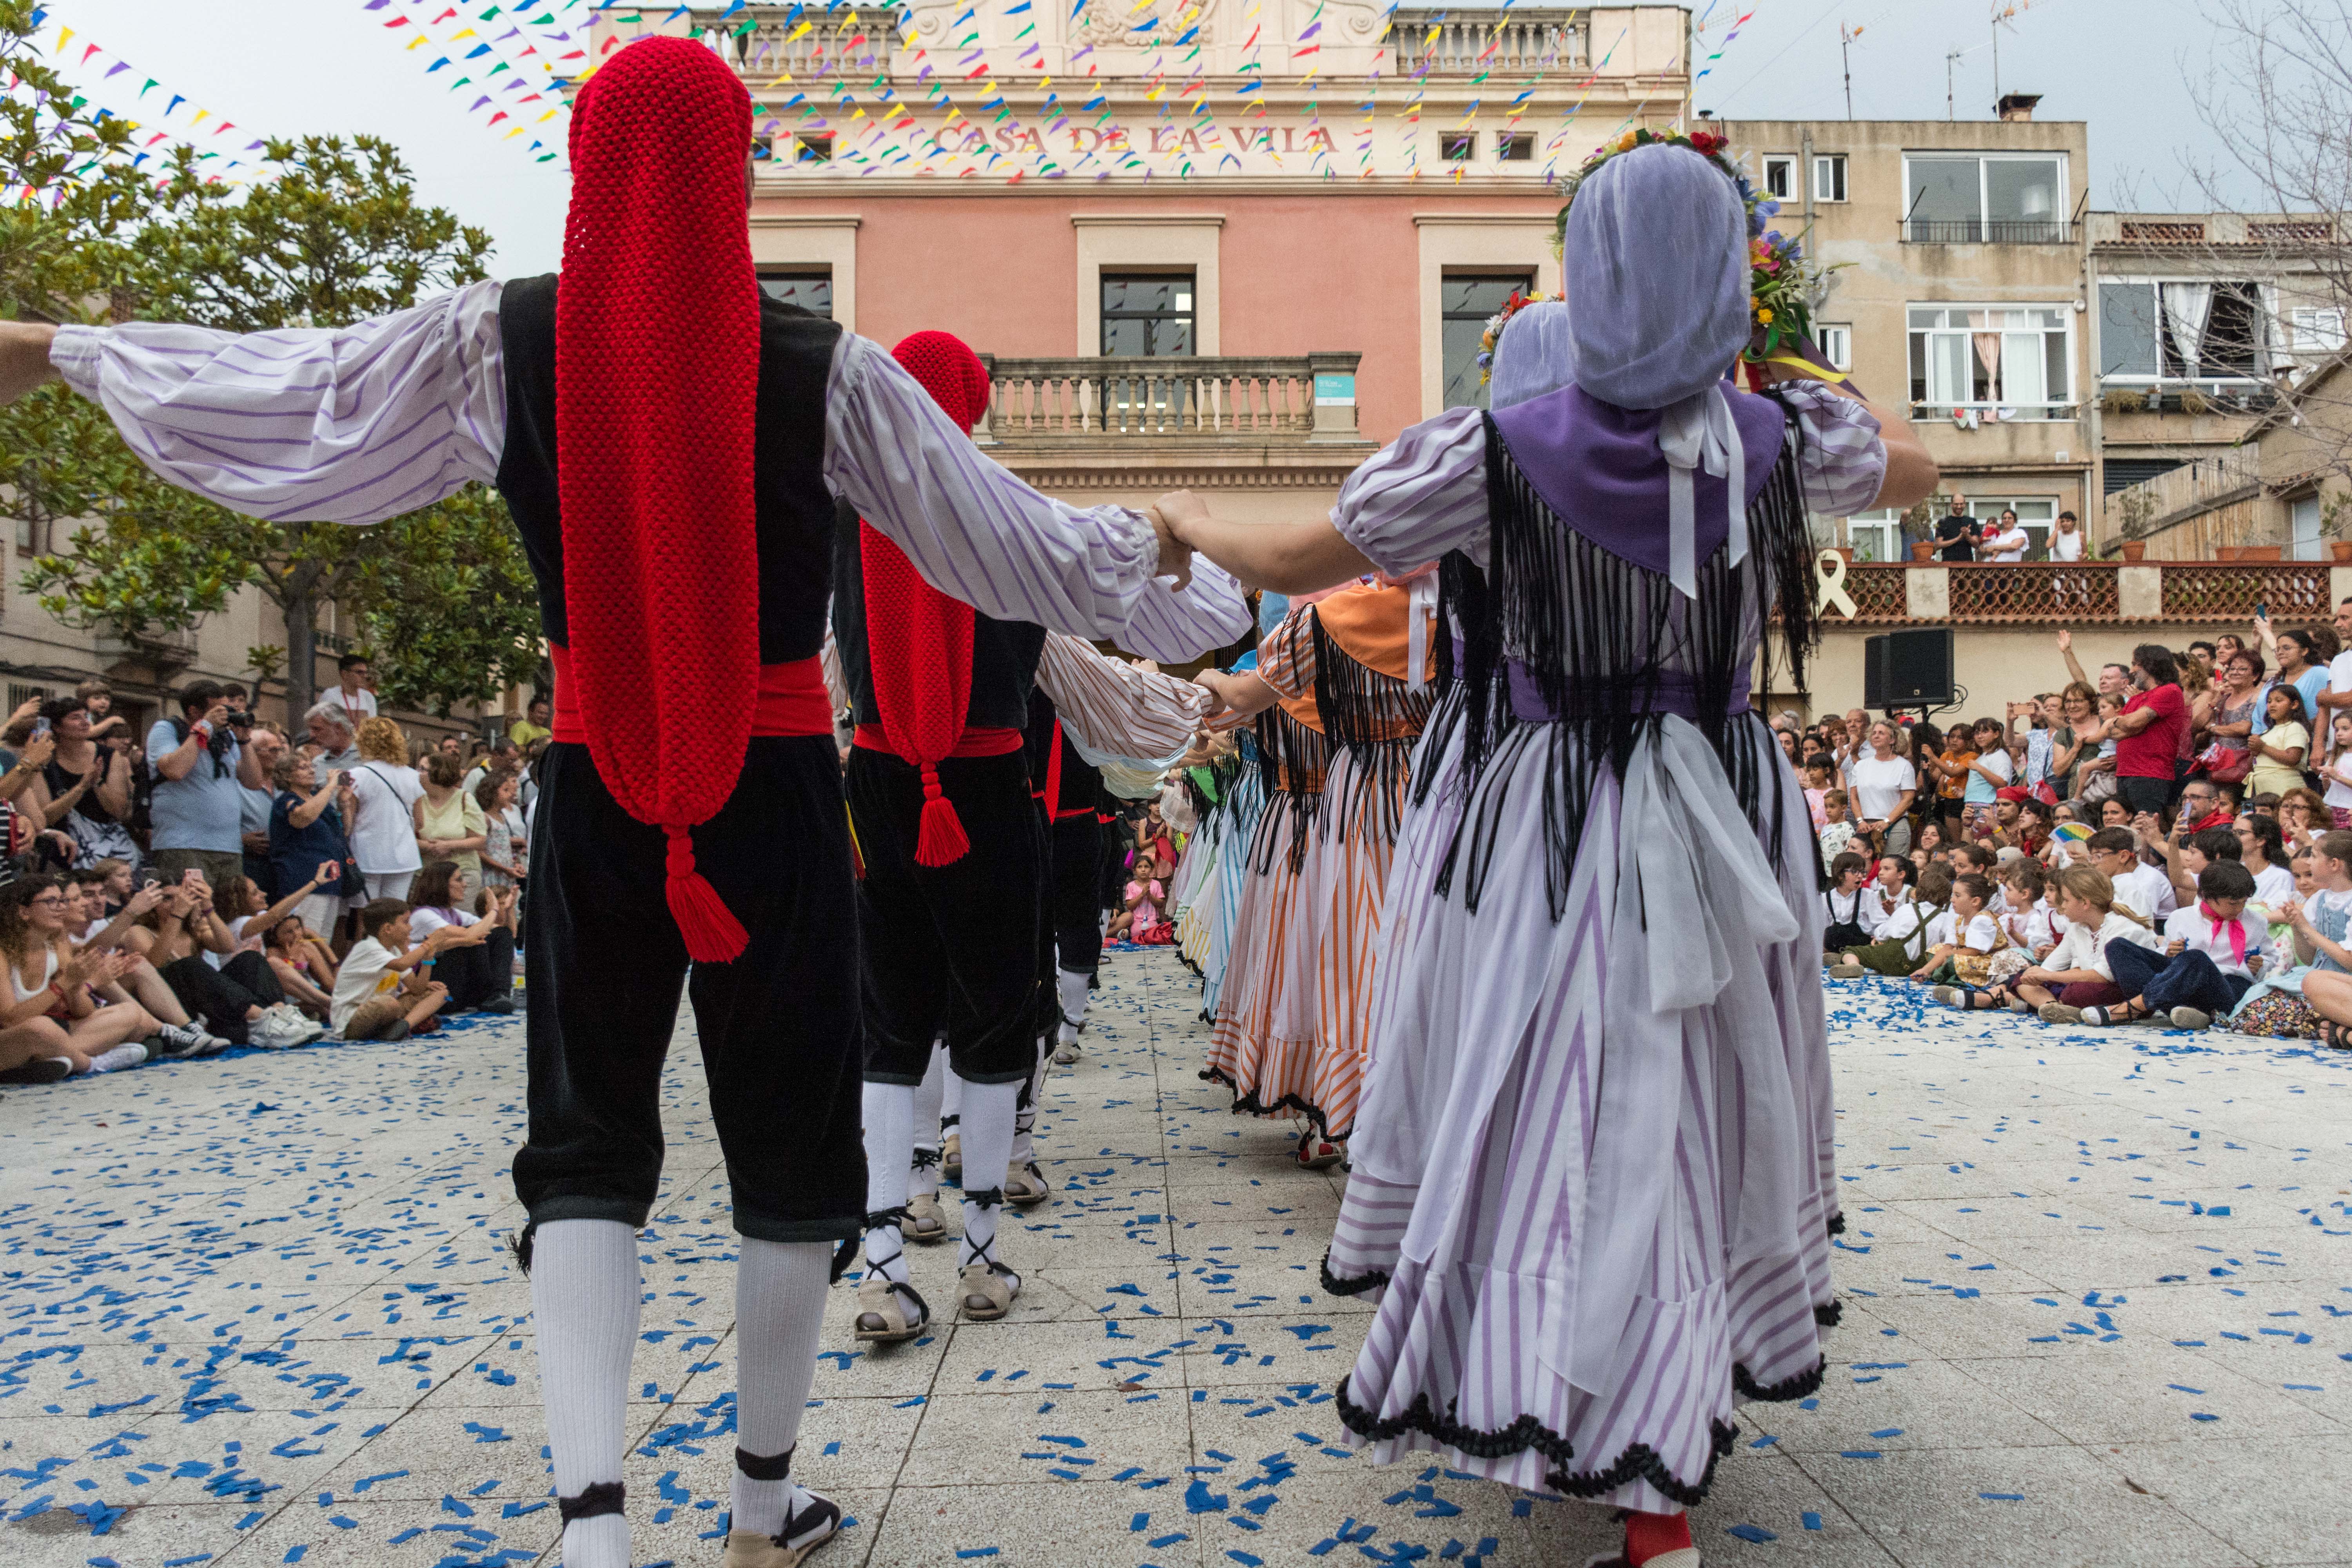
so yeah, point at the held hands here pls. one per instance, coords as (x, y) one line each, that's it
(1175, 555)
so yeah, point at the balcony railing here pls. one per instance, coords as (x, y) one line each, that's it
(1140, 397)
(1938, 593)
(769, 48)
(1464, 44)
(1980, 231)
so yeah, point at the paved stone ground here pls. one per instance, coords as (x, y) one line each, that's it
(257, 1311)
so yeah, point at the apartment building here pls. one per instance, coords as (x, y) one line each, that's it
(1959, 289)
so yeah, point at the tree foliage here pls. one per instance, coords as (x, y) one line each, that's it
(335, 236)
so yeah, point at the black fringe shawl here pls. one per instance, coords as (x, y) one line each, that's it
(1599, 635)
(1375, 720)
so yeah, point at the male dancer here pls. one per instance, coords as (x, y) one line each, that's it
(950, 907)
(678, 517)
(1070, 794)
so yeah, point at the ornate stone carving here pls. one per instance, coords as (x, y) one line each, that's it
(1122, 21)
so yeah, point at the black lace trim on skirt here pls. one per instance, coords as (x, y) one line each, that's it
(1352, 1285)
(1251, 1105)
(1638, 1462)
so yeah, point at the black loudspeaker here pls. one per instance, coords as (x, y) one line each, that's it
(1907, 670)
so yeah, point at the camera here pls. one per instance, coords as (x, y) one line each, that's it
(241, 722)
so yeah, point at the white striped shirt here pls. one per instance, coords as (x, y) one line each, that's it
(362, 423)
(1426, 492)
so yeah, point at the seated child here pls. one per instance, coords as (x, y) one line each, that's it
(1902, 938)
(1961, 942)
(385, 992)
(2078, 974)
(2212, 953)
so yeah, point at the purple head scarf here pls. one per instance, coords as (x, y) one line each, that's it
(1655, 265)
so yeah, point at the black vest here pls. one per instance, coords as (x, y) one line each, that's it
(1004, 653)
(1082, 786)
(792, 508)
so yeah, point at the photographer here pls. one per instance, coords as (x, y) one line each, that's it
(200, 771)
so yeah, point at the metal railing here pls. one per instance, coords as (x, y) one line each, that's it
(1981, 231)
(777, 41)
(1139, 397)
(1452, 43)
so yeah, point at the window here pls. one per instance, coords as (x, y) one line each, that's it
(2319, 329)
(813, 147)
(1877, 535)
(812, 291)
(2011, 360)
(1836, 345)
(1515, 147)
(2183, 330)
(1951, 199)
(1464, 303)
(1828, 177)
(1147, 315)
(1779, 176)
(1458, 146)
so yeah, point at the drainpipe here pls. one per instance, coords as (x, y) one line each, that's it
(1805, 184)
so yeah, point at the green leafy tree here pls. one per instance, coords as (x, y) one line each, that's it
(336, 236)
(463, 553)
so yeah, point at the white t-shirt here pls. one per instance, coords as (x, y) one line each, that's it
(359, 704)
(2065, 546)
(2339, 679)
(1907, 919)
(1882, 912)
(2009, 546)
(2149, 893)
(1877, 784)
(2036, 928)
(2194, 927)
(2084, 948)
(366, 973)
(1857, 908)
(2274, 886)
(423, 924)
(385, 840)
(2339, 774)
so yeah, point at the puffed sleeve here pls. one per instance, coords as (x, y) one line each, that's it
(1422, 495)
(1842, 459)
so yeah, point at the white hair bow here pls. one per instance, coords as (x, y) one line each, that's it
(1699, 431)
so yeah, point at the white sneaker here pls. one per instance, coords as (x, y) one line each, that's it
(274, 1031)
(129, 1054)
(299, 1025)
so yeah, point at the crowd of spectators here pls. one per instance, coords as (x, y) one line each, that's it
(2168, 840)
(220, 881)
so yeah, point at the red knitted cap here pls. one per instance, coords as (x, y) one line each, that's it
(946, 367)
(657, 381)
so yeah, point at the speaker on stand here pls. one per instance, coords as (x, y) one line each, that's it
(1908, 669)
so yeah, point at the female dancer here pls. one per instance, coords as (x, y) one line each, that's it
(1594, 1172)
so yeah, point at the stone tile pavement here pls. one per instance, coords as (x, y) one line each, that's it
(2098, 1310)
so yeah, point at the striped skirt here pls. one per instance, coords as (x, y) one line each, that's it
(1265, 1019)
(1296, 1048)
(1563, 1309)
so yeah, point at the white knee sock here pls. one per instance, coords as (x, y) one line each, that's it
(1024, 1115)
(584, 1302)
(1073, 988)
(988, 1111)
(951, 1102)
(890, 1147)
(779, 1310)
(924, 1178)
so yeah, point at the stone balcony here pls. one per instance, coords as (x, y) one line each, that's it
(2191, 593)
(1115, 422)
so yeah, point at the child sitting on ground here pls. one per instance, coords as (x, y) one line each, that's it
(285, 946)
(1141, 920)
(2078, 973)
(1961, 941)
(1903, 938)
(2212, 953)
(385, 992)
(1848, 902)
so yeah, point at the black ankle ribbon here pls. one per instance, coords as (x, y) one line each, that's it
(764, 1468)
(595, 1501)
(986, 1198)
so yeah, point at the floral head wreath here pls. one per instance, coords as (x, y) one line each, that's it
(1779, 276)
(1497, 322)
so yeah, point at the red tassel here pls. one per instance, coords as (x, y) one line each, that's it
(712, 933)
(940, 841)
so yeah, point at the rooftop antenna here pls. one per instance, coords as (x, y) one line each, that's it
(1846, 35)
(1951, 61)
(2000, 14)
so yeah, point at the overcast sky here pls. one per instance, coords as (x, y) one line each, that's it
(288, 67)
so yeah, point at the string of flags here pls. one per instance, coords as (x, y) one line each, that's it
(512, 61)
(77, 54)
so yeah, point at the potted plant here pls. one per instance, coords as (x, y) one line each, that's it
(2135, 509)
(1925, 549)
(2226, 552)
(2258, 553)
(2133, 549)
